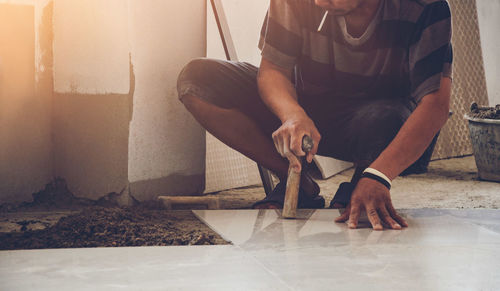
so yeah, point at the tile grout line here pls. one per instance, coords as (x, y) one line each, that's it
(266, 268)
(246, 253)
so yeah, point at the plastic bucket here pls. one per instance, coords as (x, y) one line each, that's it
(485, 138)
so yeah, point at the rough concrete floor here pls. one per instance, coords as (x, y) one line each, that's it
(450, 183)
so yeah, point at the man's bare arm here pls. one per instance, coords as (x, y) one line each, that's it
(408, 145)
(417, 132)
(278, 93)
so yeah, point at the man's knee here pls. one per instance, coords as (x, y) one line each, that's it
(189, 101)
(193, 75)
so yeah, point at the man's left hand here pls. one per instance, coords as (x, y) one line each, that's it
(375, 199)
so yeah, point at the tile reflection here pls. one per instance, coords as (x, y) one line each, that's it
(441, 250)
(262, 229)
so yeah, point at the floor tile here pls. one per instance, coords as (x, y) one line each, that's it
(135, 268)
(441, 250)
(262, 229)
(383, 267)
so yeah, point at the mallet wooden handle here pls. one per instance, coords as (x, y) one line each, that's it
(293, 183)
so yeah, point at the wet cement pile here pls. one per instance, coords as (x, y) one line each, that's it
(115, 227)
(101, 223)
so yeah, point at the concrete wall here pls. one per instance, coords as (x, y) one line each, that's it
(25, 98)
(116, 114)
(489, 26)
(166, 145)
(87, 93)
(91, 48)
(93, 84)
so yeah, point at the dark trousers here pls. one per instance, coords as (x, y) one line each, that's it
(355, 130)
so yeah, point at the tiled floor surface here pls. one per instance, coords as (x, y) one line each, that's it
(441, 250)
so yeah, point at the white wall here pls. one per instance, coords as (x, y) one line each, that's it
(489, 26)
(245, 19)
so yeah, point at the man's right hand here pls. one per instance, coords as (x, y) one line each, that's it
(288, 139)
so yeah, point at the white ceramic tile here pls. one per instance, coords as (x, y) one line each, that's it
(137, 268)
(261, 229)
(386, 267)
(441, 250)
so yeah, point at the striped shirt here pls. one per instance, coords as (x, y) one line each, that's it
(403, 53)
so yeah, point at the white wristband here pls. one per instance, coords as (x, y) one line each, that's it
(378, 173)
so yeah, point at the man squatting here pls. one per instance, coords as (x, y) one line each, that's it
(372, 87)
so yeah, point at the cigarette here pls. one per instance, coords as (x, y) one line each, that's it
(322, 21)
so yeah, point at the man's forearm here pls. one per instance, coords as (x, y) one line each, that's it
(277, 91)
(417, 132)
